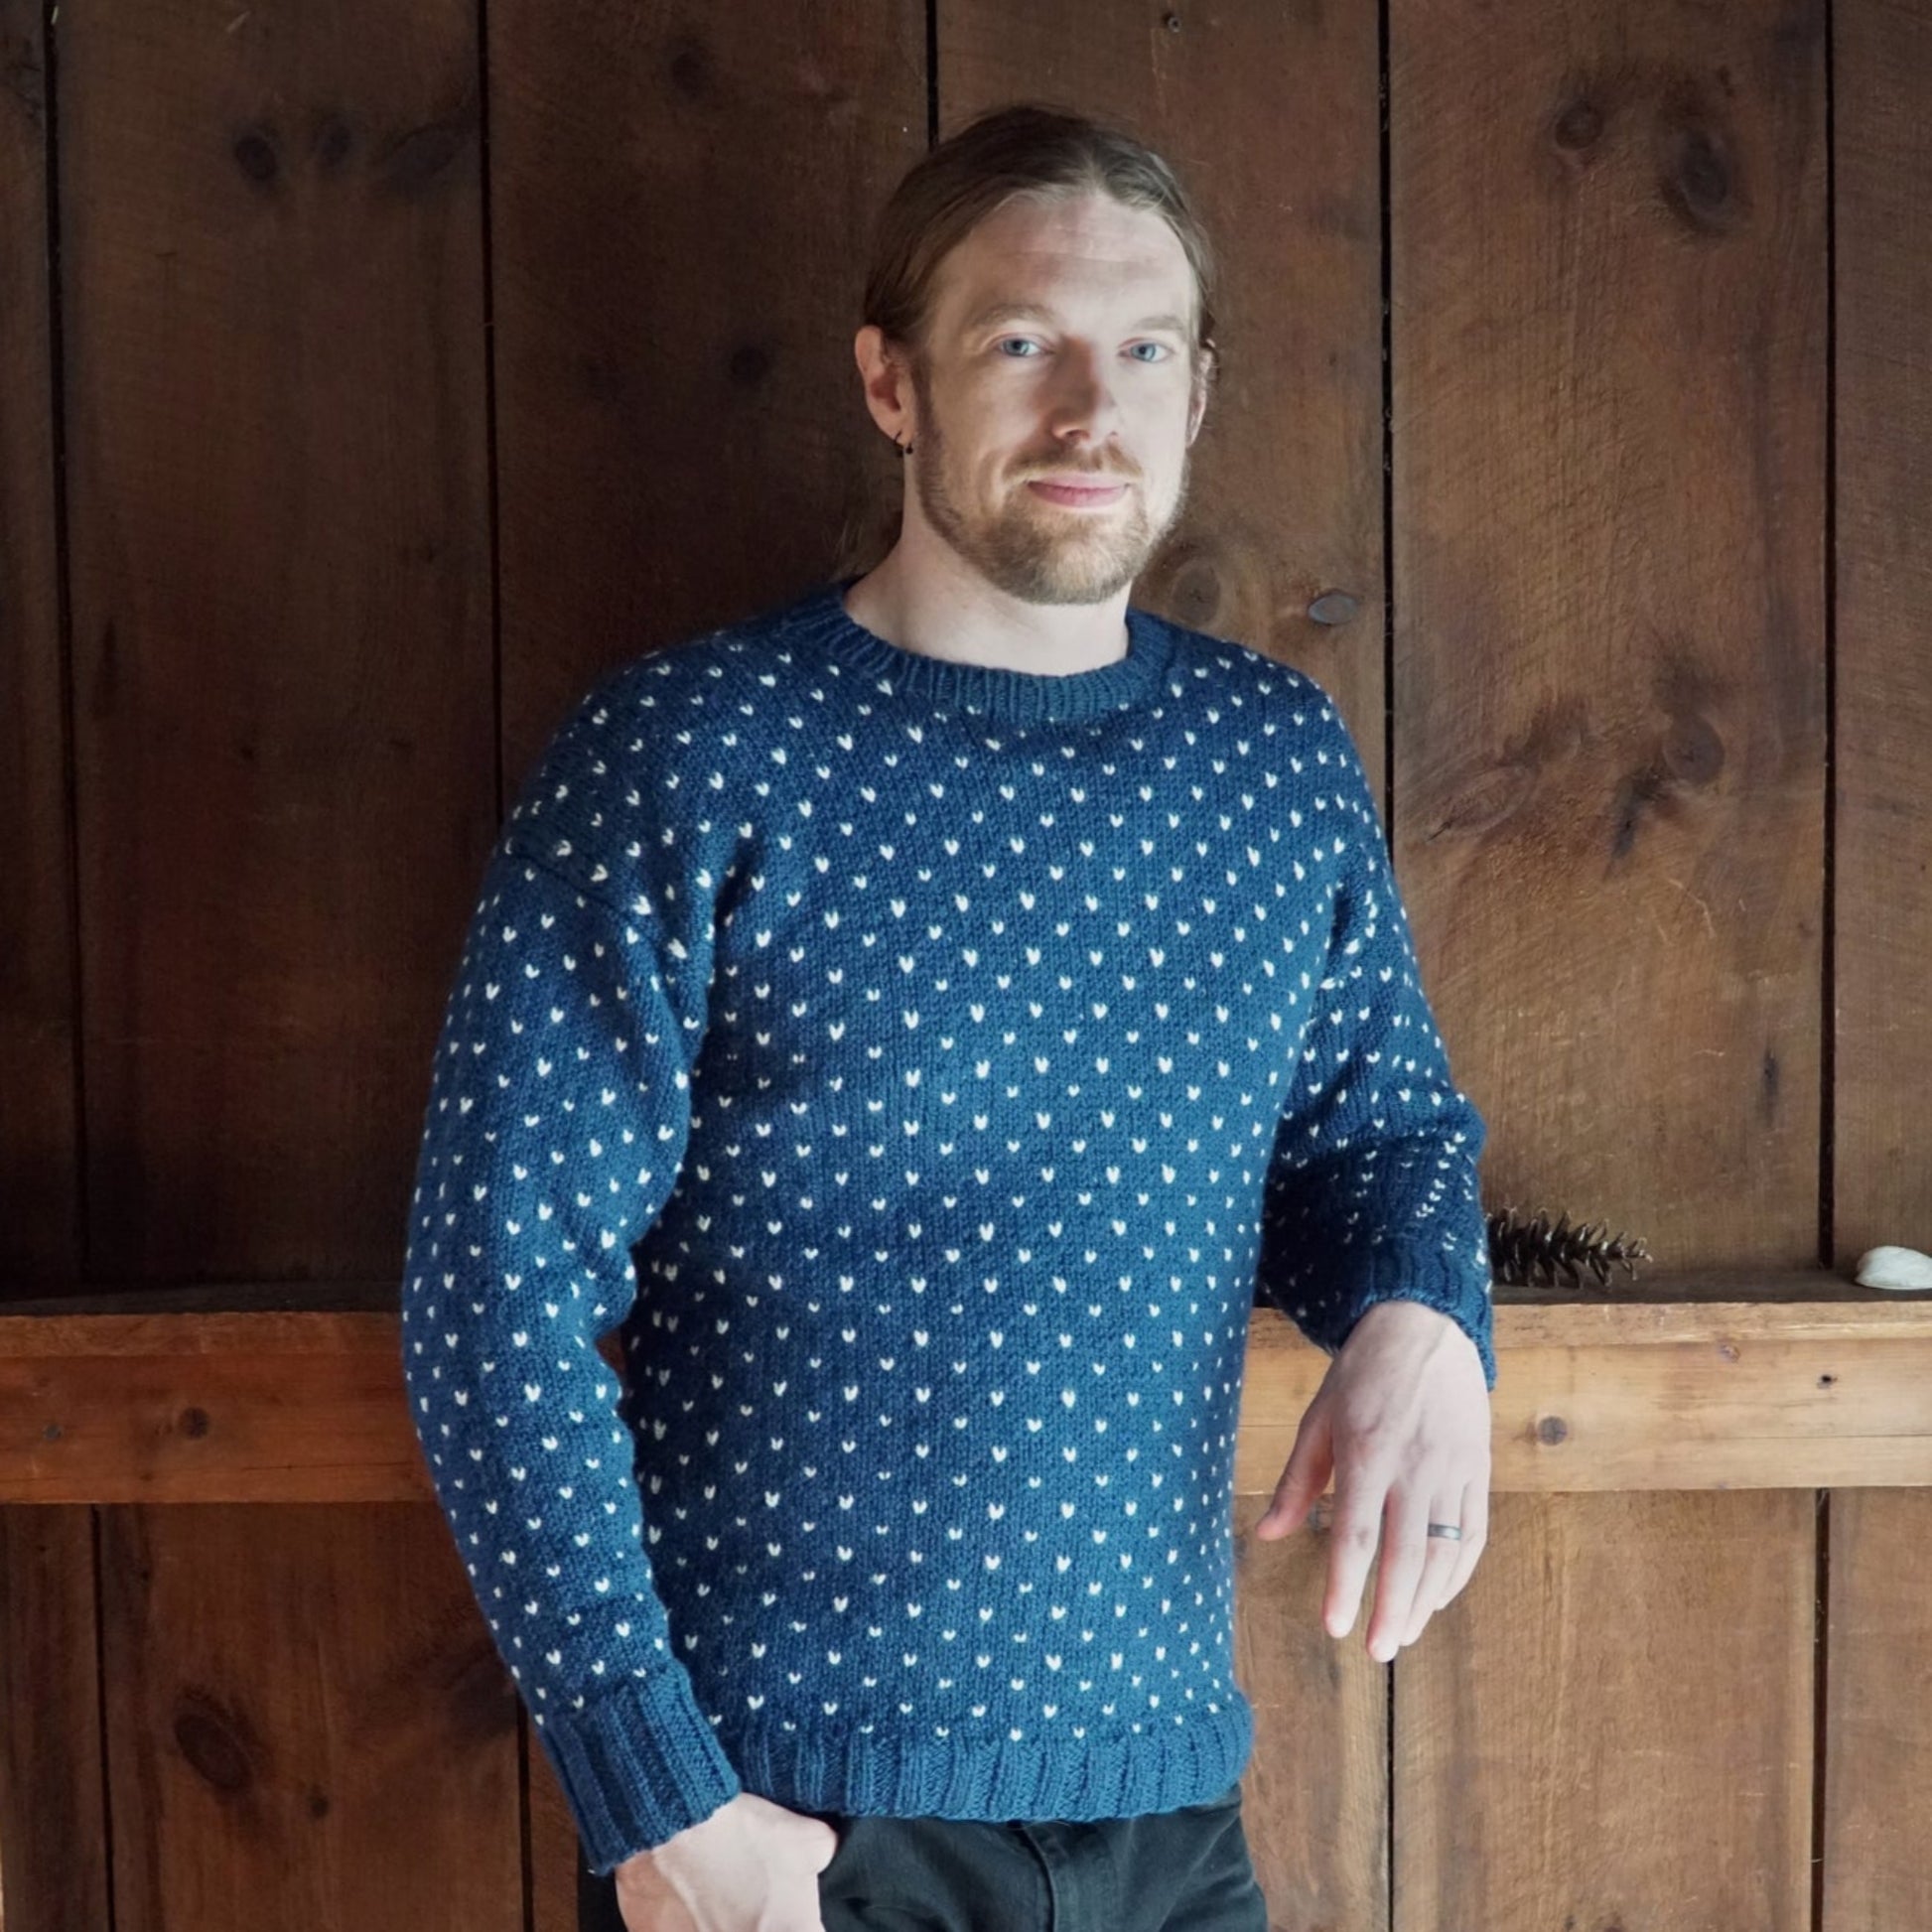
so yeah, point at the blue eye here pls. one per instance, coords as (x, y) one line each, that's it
(1004, 341)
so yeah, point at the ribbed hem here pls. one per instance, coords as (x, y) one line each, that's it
(941, 684)
(985, 1773)
(637, 1765)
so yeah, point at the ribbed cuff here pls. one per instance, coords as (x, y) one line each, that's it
(637, 1765)
(1400, 1271)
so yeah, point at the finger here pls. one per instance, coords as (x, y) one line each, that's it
(1405, 1552)
(1441, 1557)
(1360, 1496)
(1304, 1476)
(1475, 1533)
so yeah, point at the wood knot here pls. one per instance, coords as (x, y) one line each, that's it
(751, 364)
(215, 1743)
(254, 154)
(1578, 125)
(691, 67)
(333, 139)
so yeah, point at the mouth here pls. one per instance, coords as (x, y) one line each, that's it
(1079, 495)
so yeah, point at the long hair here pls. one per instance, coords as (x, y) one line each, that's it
(1027, 150)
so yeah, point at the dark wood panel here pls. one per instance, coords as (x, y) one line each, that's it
(1877, 1744)
(557, 1856)
(1285, 489)
(307, 1723)
(1882, 831)
(39, 1233)
(1878, 1655)
(1611, 1725)
(53, 1828)
(678, 221)
(1609, 308)
(1315, 1794)
(1284, 508)
(272, 291)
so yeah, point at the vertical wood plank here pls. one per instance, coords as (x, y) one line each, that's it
(1607, 308)
(1316, 1799)
(677, 410)
(1879, 1726)
(556, 1854)
(1612, 1727)
(38, 1149)
(54, 1874)
(679, 207)
(1285, 490)
(1882, 828)
(1878, 1743)
(275, 407)
(1284, 508)
(307, 1723)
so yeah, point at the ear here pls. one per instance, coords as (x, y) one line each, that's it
(887, 387)
(1198, 399)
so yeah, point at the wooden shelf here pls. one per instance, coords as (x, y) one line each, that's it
(294, 1392)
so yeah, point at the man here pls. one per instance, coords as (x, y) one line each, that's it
(944, 1003)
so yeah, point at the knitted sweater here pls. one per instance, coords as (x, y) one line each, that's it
(927, 1068)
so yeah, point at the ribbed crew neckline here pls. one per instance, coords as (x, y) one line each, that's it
(1011, 696)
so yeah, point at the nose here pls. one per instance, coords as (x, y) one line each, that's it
(1083, 400)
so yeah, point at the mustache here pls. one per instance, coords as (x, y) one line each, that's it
(1061, 469)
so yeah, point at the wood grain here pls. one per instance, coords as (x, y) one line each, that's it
(1876, 1742)
(1608, 294)
(1882, 994)
(1877, 1733)
(40, 1235)
(307, 1723)
(311, 1408)
(1285, 490)
(54, 1827)
(1661, 815)
(1608, 301)
(284, 718)
(1612, 1725)
(1283, 518)
(678, 224)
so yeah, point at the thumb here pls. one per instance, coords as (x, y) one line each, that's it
(1309, 1464)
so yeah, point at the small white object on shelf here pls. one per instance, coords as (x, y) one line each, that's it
(1894, 1268)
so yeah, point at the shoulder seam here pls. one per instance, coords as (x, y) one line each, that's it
(510, 841)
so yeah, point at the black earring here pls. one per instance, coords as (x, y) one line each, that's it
(905, 449)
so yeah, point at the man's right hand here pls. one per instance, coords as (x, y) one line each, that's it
(751, 1866)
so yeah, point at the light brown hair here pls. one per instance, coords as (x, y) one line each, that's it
(1026, 150)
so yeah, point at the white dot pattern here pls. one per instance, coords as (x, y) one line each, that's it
(928, 1067)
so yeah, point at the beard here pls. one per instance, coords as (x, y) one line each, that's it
(1034, 550)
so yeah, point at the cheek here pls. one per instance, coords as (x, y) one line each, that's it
(998, 421)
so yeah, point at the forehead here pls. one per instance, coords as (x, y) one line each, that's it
(1071, 252)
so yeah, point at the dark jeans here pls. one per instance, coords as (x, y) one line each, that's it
(1184, 1871)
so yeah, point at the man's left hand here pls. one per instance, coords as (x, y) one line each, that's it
(1403, 1416)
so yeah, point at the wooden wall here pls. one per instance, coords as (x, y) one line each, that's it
(372, 376)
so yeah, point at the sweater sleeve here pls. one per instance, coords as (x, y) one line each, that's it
(1371, 1193)
(558, 1116)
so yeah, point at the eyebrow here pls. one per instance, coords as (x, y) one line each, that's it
(1039, 312)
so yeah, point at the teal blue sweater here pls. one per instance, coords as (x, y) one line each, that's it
(927, 1068)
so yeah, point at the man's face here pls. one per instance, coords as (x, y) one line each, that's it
(1095, 383)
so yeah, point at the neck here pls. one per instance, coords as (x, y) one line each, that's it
(949, 610)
